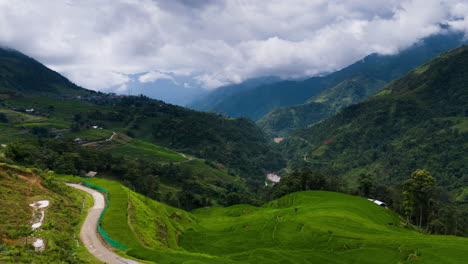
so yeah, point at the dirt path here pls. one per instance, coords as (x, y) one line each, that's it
(111, 137)
(185, 156)
(100, 141)
(89, 235)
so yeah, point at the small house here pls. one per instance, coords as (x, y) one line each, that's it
(377, 202)
(278, 139)
(91, 174)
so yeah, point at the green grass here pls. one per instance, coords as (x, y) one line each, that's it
(89, 134)
(383, 92)
(326, 228)
(135, 220)
(20, 186)
(115, 219)
(303, 227)
(63, 109)
(206, 172)
(135, 148)
(18, 117)
(461, 123)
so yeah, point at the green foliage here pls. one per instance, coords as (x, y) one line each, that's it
(366, 182)
(3, 118)
(237, 143)
(146, 223)
(311, 227)
(418, 190)
(296, 228)
(100, 229)
(61, 222)
(303, 180)
(283, 121)
(353, 84)
(19, 73)
(391, 135)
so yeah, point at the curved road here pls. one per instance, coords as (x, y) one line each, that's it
(89, 235)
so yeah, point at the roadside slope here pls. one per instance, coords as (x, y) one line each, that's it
(88, 234)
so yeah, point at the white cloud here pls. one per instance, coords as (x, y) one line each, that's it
(98, 43)
(122, 88)
(154, 76)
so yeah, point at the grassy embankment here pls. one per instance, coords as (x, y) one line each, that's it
(21, 186)
(304, 227)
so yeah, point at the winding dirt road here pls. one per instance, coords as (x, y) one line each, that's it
(89, 235)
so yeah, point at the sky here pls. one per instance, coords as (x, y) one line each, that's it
(185, 47)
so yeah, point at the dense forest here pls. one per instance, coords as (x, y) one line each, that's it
(236, 143)
(353, 84)
(417, 122)
(145, 177)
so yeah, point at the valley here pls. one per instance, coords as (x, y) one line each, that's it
(270, 170)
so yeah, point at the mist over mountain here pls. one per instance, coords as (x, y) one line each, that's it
(355, 83)
(215, 43)
(373, 71)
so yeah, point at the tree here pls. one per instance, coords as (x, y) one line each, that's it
(420, 187)
(408, 205)
(366, 183)
(3, 118)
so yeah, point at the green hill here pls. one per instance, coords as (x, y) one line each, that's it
(237, 143)
(303, 227)
(20, 187)
(41, 113)
(218, 95)
(417, 121)
(284, 121)
(353, 84)
(22, 74)
(316, 227)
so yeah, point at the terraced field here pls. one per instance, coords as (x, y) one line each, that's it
(304, 227)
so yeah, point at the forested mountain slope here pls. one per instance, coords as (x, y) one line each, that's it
(218, 95)
(62, 128)
(417, 121)
(354, 83)
(20, 73)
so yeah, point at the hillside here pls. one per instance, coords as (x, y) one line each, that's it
(284, 121)
(417, 121)
(20, 187)
(22, 74)
(353, 84)
(219, 94)
(303, 227)
(182, 157)
(205, 135)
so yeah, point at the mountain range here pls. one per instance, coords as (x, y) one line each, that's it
(417, 121)
(322, 96)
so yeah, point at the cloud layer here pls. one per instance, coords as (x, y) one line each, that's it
(99, 44)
